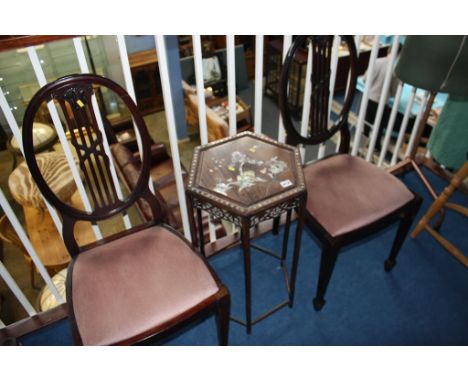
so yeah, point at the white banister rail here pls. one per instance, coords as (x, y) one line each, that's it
(333, 70)
(127, 73)
(287, 41)
(414, 132)
(85, 69)
(365, 97)
(258, 83)
(202, 122)
(383, 97)
(198, 63)
(39, 72)
(306, 102)
(171, 126)
(231, 74)
(404, 123)
(391, 124)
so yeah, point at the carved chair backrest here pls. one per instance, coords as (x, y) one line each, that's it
(319, 130)
(73, 95)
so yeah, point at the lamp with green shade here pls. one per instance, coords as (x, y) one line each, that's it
(440, 64)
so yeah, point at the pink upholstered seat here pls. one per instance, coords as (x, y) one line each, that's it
(136, 283)
(346, 193)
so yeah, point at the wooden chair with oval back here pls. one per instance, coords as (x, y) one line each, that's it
(348, 198)
(145, 282)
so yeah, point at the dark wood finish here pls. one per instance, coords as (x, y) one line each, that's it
(12, 334)
(15, 42)
(75, 92)
(320, 132)
(145, 75)
(248, 179)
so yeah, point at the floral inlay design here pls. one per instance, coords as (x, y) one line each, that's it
(243, 179)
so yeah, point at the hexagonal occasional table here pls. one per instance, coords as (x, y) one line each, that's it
(247, 179)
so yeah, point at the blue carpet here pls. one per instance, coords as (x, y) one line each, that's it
(423, 301)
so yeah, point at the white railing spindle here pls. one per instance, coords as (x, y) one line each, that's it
(28, 246)
(383, 98)
(85, 69)
(39, 72)
(333, 67)
(231, 74)
(127, 73)
(306, 102)
(357, 42)
(258, 83)
(365, 97)
(202, 123)
(414, 132)
(198, 62)
(171, 127)
(287, 41)
(391, 124)
(404, 123)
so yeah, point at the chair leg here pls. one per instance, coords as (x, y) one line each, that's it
(222, 316)
(403, 229)
(327, 264)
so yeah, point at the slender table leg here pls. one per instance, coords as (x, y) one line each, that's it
(200, 232)
(245, 234)
(297, 249)
(286, 236)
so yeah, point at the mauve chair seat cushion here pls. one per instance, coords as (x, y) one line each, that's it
(346, 193)
(136, 283)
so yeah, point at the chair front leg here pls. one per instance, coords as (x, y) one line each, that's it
(403, 229)
(223, 307)
(327, 264)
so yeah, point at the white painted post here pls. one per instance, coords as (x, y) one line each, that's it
(391, 124)
(39, 72)
(414, 132)
(383, 97)
(198, 62)
(258, 83)
(287, 41)
(333, 66)
(365, 97)
(306, 103)
(84, 69)
(28, 246)
(404, 123)
(231, 74)
(10, 282)
(127, 73)
(171, 127)
(357, 42)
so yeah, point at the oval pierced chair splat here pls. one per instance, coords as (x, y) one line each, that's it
(348, 198)
(141, 283)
